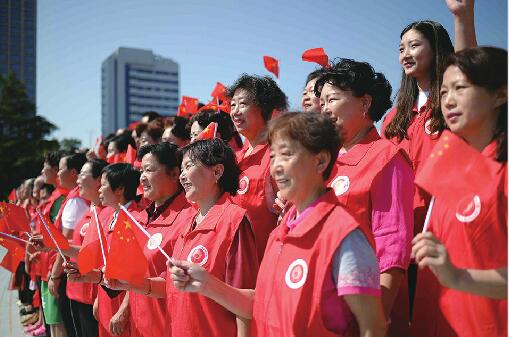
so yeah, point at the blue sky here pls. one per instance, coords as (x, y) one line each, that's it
(218, 40)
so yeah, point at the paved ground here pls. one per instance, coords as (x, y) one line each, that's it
(9, 317)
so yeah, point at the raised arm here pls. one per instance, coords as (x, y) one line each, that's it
(464, 25)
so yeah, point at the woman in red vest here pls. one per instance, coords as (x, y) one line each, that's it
(167, 212)
(218, 237)
(372, 178)
(319, 275)
(254, 100)
(468, 252)
(309, 102)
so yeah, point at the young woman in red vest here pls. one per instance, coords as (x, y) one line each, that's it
(468, 252)
(372, 178)
(167, 212)
(254, 100)
(319, 275)
(218, 237)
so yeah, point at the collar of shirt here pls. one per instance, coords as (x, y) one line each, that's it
(154, 212)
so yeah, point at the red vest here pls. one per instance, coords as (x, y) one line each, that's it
(251, 193)
(476, 238)
(354, 172)
(418, 146)
(193, 315)
(289, 288)
(148, 313)
(77, 291)
(109, 306)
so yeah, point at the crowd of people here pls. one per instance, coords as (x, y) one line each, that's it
(308, 223)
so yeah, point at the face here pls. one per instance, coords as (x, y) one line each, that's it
(309, 101)
(66, 176)
(344, 109)
(88, 185)
(145, 139)
(49, 174)
(246, 116)
(158, 184)
(296, 171)
(107, 196)
(415, 54)
(169, 137)
(195, 130)
(136, 138)
(36, 192)
(112, 150)
(468, 109)
(198, 180)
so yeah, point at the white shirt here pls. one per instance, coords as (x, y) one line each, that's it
(421, 100)
(73, 211)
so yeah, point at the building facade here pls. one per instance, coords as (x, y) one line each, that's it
(18, 23)
(135, 81)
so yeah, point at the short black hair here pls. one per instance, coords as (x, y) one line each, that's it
(48, 188)
(361, 79)
(122, 141)
(165, 153)
(151, 115)
(225, 125)
(53, 158)
(314, 74)
(75, 161)
(264, 92)
(123, 175)
(212, 152)
(179, 128)
(97, 166)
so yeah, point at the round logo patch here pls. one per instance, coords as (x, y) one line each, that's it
(340, 184)
(154, 241)
(243, 185)
(198, 255)
(427, 128)
(84, 229)
(296, 274)
(468, 208)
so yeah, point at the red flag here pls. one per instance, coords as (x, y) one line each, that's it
(15, 217)
(116, 158)
(126, 260)
(188, 106)
(130, 155)
(15, 254)
(90, 255)
(46, 238)
(455, 170)
(272, 65)
(133, 125)
(208, 133)
(212, 105)
(12, 196)
(316, 55)
(219, 92)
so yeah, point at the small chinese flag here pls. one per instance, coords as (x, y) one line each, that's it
(90, 255)
(126, 260)
(219, 92)
(15, 254)
(133, 125)
(208, 133)
(316, 55)
(272, 65)
(62, 242)
(116, 158)
(15, 217)
(12, 196)
(130, 155)
(455, 170)
(188, 106)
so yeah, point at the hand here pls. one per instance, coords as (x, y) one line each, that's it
(279, 202)
(119, 322)
(34, 257)
(428, 251)
(91, 154)
(53, 285)
(73, 273)
(37, 242)
(460, 7)
(187, 276)
(116, 284)
(94, 308)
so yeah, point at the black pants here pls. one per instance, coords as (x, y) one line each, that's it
(88, 324)
(25, 295)
(69, 316)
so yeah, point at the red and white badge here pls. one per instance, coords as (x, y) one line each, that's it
(340, 184)
(468, 208)
(296, 274)
(84, 229)
(155, 241)
(427, 128)
(243, 185)
(198, 255)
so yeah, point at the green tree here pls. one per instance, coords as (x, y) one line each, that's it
(70, 145)
(22, 135)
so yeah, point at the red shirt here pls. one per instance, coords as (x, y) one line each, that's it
(209, 245)
(289, 290)
(148, 313)
(475, 239)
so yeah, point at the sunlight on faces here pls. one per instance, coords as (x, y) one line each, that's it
(107, 196)
(157, 181)
(66, 177)
(296, 171)
(88, 185)
(467, 108)
(112, 150)
(198, 180)
(49, 174)
(415, 54)
(246, 116)
(309, 102)
(195, 130)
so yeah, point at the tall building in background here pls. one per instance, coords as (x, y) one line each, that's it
(135, 81)
(18, 22)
